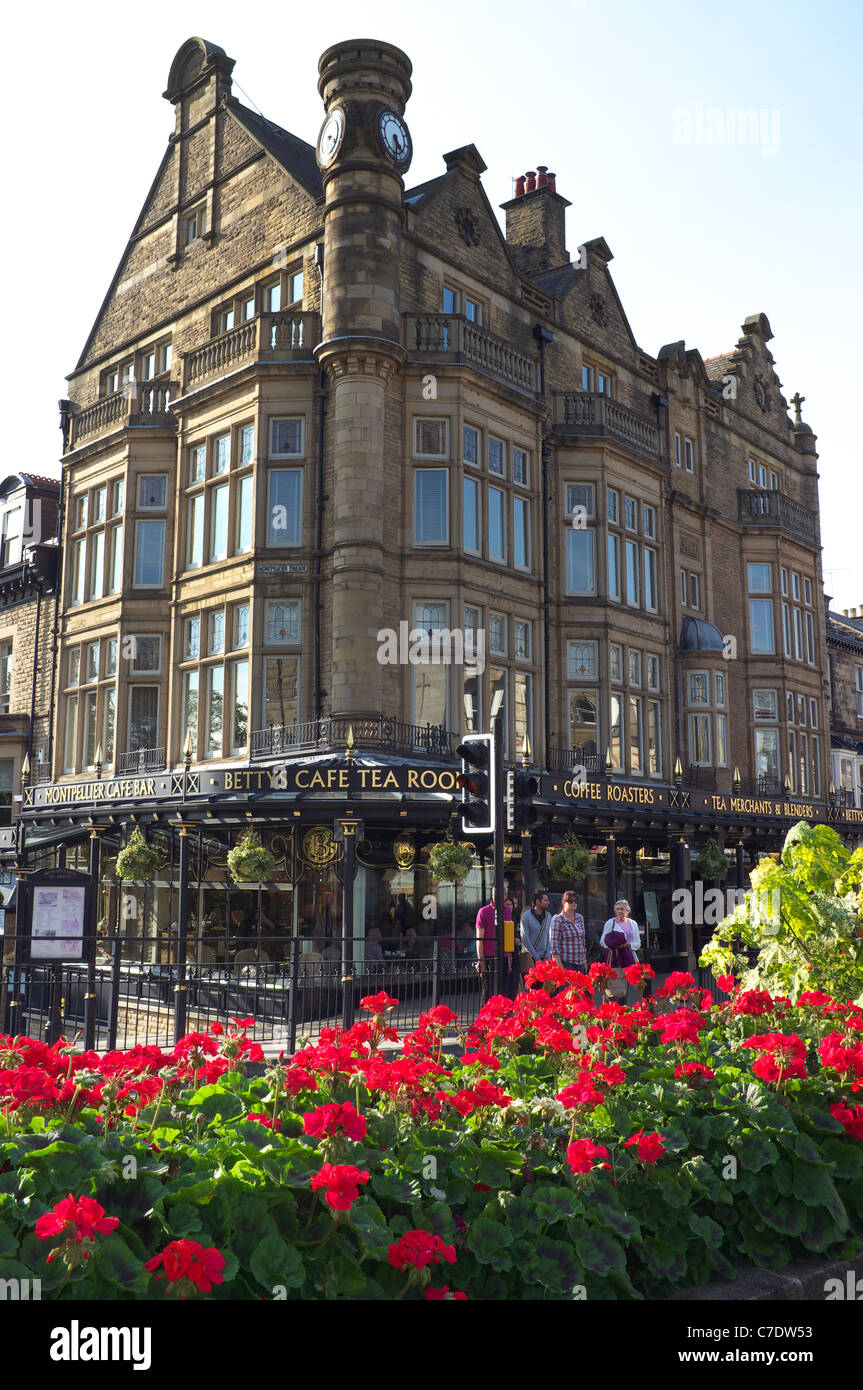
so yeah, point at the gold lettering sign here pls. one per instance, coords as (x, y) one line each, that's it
(404, 851)
(319, 846)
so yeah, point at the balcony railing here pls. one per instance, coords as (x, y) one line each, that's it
(757, 786)
(271, 337)
(453, 338)
(142, 760)
(568, 759)
(140, 403)
(592, 415)
(378, 732)
(757, 508)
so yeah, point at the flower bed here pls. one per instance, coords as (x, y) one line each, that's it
(573, 1151)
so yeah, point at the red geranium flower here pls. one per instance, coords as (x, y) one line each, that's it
(265, 1120)
(650, 1146)
(341, 1181)
(693, 1073)
(582, 1153)
(438, 1017)
(186, 1260)
(753, 1002)
(420, 1248)
(446, 1294)
(335, 1119)
(726, 983)
(851, 1120)
(84, 1215)
(638, 973)
(582, 1092)
(378, 1003)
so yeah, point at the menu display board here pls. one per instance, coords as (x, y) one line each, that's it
(58, 917)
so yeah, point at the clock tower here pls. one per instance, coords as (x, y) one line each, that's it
(364, 149)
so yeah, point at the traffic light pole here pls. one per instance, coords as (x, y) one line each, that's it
(498, 845)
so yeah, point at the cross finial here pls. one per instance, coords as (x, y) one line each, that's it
(797, 400)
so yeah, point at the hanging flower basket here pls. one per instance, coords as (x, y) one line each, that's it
(711, 863)
(136, 860)
(571, 860)
(250, 861)
(450, 862)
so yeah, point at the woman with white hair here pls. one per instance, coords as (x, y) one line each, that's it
(621, 939)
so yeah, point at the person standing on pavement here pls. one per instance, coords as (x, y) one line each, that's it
(486, 951)
(535, 927)
(566, 935)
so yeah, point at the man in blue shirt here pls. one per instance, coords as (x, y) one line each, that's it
(535, 925)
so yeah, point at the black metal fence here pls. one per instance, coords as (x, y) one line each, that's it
(291, 992)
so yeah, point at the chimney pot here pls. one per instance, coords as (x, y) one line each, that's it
(542, 170)
(519, 186)
(551, 182)
(530, 183)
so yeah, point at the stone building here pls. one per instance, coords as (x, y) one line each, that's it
(28, 582)
(845, 657)
(320, 414)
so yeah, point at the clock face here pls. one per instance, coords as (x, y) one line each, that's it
(395, 138)
(331, 136)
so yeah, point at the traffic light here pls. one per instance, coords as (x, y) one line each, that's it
(477, 782)
(521, 788)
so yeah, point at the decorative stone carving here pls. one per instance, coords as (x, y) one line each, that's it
(598, 310)
(759, 387)
(466, 223)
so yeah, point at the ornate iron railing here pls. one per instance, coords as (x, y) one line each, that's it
(142, 760)
(367, 731)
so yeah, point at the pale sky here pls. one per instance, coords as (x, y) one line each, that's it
(622, 99)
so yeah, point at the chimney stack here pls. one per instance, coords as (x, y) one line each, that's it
(535, 229)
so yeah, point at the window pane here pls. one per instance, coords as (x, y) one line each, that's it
(523, 708)
(470, 445)
(189, 711)
(97, 565)
(649, 578)
(193, 638)
(215, 705)
(583, 728)
(285, 506)
(767, 753)
(115, 561)
(430, 506)
(759, 579)
(216, 633)
(118, 497)
(111, 657)
(632, 586)
(761, 625)
(147, 655)
(241, 625)
(615, 731)
(580, 571)
(519, 467)
(240, 706)
(79, 573)
(150, 553)
(244, 515)
(143, 717)
(721, 741)
(109, 723)
(471, 520)
(495, 456)
(519, 533)
(222, 454)
(613, 567)
(195, 550)
(496, 540)
(282, 623)
(635, 762)
(286, 436)
(280, 691)
(430, 438)
(247, 443)
(152, 490)
(581, 660)
(219, 523)
(71, 740)
(654, 762)
(89, 728)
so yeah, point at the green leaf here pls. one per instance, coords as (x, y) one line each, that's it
(370, 1224)
(274, 1262)
(389, 1185)
(816, 1188)
(606, 1210)
(599, 1251)
(490, 1242)
(553, 1204)
(215, 1100)
(781, 1214)
(662, 1259)
(754, 1152)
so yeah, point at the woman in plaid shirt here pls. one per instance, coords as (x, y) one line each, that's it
(566, 935)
